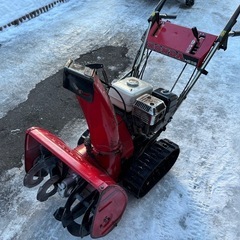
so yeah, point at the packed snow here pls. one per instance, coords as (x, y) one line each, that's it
(12, 10)
(200, 197)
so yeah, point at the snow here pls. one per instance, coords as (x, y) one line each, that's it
(200, 197)
(12, 10)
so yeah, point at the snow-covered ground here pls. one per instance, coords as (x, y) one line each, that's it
(200, 197)
(11, 10)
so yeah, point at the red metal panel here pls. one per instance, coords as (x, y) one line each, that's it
(125, 139)
(179, 42)
(109, 211)
(73, 158)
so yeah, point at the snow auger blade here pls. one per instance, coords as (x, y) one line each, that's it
(71, 172)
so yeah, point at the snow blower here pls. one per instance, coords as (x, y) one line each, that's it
(120, 151)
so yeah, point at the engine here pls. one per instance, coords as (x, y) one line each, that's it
(147, 110)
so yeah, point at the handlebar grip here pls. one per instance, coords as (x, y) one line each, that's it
(155, 15)
(234, 34)
(167, 16)
(224, 34)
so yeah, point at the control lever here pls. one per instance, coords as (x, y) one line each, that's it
(195, 33)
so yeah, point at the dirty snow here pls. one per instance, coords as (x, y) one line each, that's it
(200, 197)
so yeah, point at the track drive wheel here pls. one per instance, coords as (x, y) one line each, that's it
(150, 167)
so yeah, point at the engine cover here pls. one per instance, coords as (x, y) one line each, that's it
(126, 91)
(149, 109)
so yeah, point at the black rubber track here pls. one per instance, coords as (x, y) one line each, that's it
(150, 167)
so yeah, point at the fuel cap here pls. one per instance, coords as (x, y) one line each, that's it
(131, 82)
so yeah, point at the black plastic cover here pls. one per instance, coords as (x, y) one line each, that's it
(169, 98)
(76, 81)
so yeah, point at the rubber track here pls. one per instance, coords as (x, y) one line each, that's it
(32, 14)
(150, 167)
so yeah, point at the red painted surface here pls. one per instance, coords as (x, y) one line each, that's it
(125, 139)
(76, 160)
(113, 199)
(101, 120)
(111, 143)
(179, 42)
(108, 213)
(104, 130)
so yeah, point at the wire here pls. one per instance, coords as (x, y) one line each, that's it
(145, 64)
(124, 104)
(178, 77)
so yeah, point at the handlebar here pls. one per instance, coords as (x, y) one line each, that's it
(234, 34)
(162, 15)
(160, 5)
(222, 39)
(155, 16)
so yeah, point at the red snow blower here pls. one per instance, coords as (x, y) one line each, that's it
(120, 151)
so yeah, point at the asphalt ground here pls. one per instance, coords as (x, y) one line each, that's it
(50, 106)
